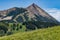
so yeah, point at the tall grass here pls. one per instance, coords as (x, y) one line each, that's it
(52, 33)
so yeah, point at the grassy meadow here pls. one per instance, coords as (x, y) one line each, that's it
(51, 33)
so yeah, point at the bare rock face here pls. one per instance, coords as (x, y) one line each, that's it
(30, 18)
(42, 15)
(31, 13)
(5, 12)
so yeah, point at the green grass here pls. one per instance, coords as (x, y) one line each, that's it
(52, 33)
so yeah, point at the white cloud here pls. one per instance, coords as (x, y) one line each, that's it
(54, 12)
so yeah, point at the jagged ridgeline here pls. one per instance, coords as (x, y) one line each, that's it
(24, 19)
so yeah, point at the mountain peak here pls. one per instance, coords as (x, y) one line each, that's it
(32, 5)
(14, 8)
(34, 12)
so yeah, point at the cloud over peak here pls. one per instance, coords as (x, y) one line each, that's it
(54, 12)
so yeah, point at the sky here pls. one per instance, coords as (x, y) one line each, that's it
(50, 6)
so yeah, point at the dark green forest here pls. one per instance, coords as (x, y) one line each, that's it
(11, 28)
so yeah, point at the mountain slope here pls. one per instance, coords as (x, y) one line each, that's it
(32, 16)
(32, 12)
(43, 16)
(52, 33)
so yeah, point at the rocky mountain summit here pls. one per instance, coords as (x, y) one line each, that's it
(32, 12)
(25, 19)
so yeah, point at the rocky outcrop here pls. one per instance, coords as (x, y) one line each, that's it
(31, 13)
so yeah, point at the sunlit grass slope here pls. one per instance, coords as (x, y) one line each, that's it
(52, 33)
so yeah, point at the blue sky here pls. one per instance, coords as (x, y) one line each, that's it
(5, 4)
(47, 5)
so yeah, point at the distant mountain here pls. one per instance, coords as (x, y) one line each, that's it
(41, 14)
(26, 19)
(16, 19)
(33, 12)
